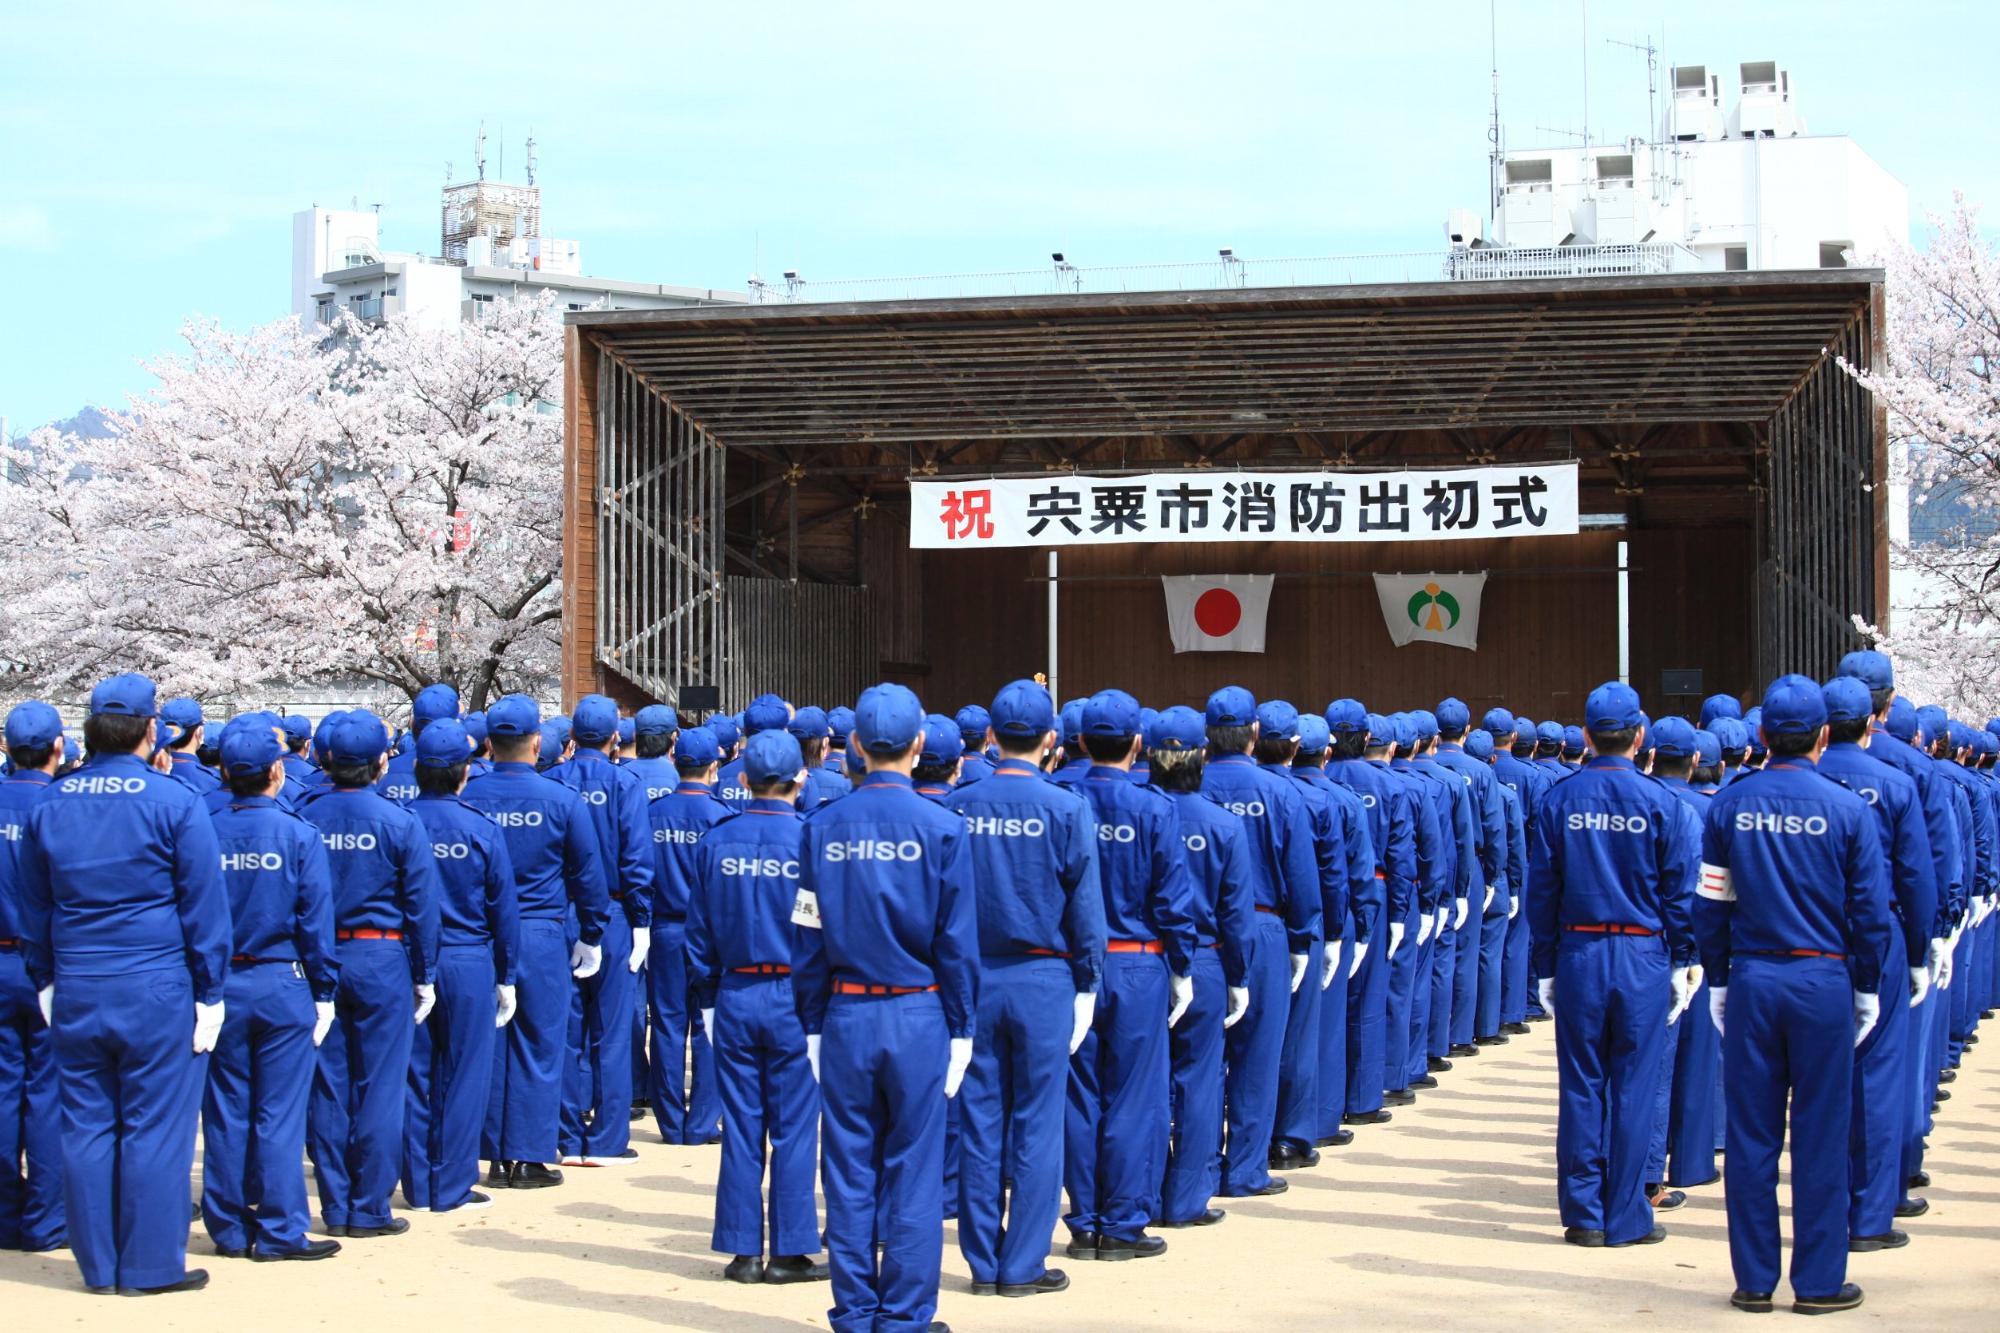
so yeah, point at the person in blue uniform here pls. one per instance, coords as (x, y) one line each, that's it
(814, 732)
(739, 948)
(1574, 747)
(1794, 943)
(728, 734)
(1075, 760)
(840, 725)
(1475, 1006)
(1706, 776)
(1117, 1129)
(554, 748)
(123, 908)
(1720, 705)
(974, 726)
(885, 974)
(1408, 1063)
(182, 730)
(557, 879)
(1285, 893)
(386, 933)
(1609, 891)
(1528, 783)
(299, 767)
(1363, 903)
(1461, 823)
(31, 1180)
(685, 1111)
(479, 934)
(628, 733)
(938, 761)
(1949, 743)
(1504, 906)
(597, 1088)
(1548, 750)
(399, 779)
(278, 1006)
(476, 738)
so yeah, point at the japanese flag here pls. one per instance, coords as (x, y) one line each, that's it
(1217, 613)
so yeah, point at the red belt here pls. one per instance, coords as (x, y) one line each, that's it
(1612, 929)
(10, 943)
(1381, 874)
(763, 970)
(252, 959)
(1045, 953)
(1132, 946)
(862, 988)
(1269, 911)
(1796, 953)
(368, 933)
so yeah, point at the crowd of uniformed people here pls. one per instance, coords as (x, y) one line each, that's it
(1103, 963)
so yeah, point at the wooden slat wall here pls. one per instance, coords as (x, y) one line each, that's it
(1691, 598)
(579, 670)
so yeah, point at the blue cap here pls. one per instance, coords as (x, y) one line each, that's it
(1147, 717)
(1612, 706)
(1404, 728)
(1707, 748)
(1525, 728)
(1753, 723)
(942, 743)
(1549, 733)
(127, 694)
(1846, 699)
(33, 725)
(514, 715)
(555, 735)
(628, 731)
(1871, 668)
(1425, 722)
(727, 733)
(183, 715)
(477, 728)
(1346, 715)
(1673, 738)
(1231, 706)
(1479, 743)
(1961, 736)
(298, 727)
(359, 738)
(248, 747)
(1498, 721)
(1277, 720)
(973, 724)
(323, 733)
(1730, 733)
(1022, 711)
(1720, 705)
(1177, 728)
(841, 719)
(1934, 722)
(1793, 706)
(809, 724)
(1314, 737)
(1574, 739)
(443, 743)
(655, 720)
(1071, 715)
(767, 712)
(772, 755)
(1902, 719)
(887, 718)
(1381, 731)
(1111, 713)
(696, 747)
(1453, 715)
(433, 702)
(594, 720)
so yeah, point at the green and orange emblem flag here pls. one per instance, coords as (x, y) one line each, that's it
(1431, 608)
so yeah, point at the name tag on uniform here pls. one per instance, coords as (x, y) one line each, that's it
(805, 910)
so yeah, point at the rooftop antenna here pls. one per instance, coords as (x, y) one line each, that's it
(1652, 77)
(1493, 153)
(531, 155)
(479, 150)
(447, 172)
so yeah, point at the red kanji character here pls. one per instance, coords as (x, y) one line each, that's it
(968, 514)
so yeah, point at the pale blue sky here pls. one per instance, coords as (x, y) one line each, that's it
(151, 154)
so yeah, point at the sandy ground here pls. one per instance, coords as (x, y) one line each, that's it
(1446, 1216)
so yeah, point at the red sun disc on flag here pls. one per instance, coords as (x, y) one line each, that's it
(1217, 612)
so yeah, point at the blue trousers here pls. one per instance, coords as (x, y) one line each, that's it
(1012, 1119)
(1252, 1048)
(1368, 1024)
(1492, 961)
(354, 1124)
(31, 1182)
(253, 1112)
(1399, 1021)
(1691, 1127)
(1194, 1047)
(1423, 1008)
(523, 1106)
(1514, 967)
(1611, 998)
(882, 1062)
(1444, 970)
(1790, 1037)
(1964, 986)
(1663, 1108)
(1920, 1080)
(597, 1075)
(1875, 1176)
(768, 1099)
(683, 1115)
(451, 1076)
(1115, 1132)
(131, 1085)
(1298, 1060)
(1465, 974)
(1330, 1098)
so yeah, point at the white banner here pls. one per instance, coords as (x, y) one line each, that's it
(1203, 506)
(1432, 608)
(1217, 613)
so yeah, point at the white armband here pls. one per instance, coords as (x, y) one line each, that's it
(805, 910)
(1715, 884)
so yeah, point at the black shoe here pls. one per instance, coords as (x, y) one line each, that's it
(1491, 1039)
(1515, 1029)
(1369, 1117)
(1294, 1161)
(395, 1226)
(473, 1201)
(1538, 1018)
(1943, 1096)
(786, 1268)
(1665, 1200)
(1427, 1081)
(1920, 1180)
(335, 1229)
(1082, 1245)
(1891, 1239)
(1653, 1237)
(1847, 1298)
(1436, 1065)
(312, 1249)
(1400, 1097)
(1112, 1250)
(222, 1252)
(1755, 1302)
(938, 1326)
(1209, 1217)
(1053, 1279)
(1590, 1238)
(533, 1176)
(1340, 1138)
(102, 1291)
(745, 1268)
(192, 1280)
(637, 1114)
(986, 1288)
(1913, 1207)
(1948, 1076)
(1275, 1185)
(1462, 1049)
(194, 1211)
(496, 1175)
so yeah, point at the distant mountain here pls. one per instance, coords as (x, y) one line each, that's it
(92, 423)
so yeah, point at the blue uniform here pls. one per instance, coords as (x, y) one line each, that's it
(973, 766)
(31, 1200)
(684, 1114)
(451, 1054)
(658, 775)
(1296, 1125)
(1437, 826)
(1362, 899)
(1692, 1064)
(253, 1114)
(193, 774)
(1478, 943)
(122, 903)
(1453, 975)
(399, 781)
(1981, 878)
(739, 951)
(1386, 806)
(1610, 882)
(1793, 864)
(1040, 912)
(1502, 995)
(888, 972)
(303, 771)
(560, 894)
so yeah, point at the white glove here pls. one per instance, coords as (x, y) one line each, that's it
(207, 1026)
(1331, 965)
(1425, 925)
(427, 998)
(642, 944)
(1181, 991)
(1920, 985)
(1360, 952)
(1464, 910)
(505, 1003)
(322, 1020)
(46, 997)
(1299, 961)
(1718, 1004)
(1545, 994)
(708, 1028)
(1513, 906)
(1086, 1011)
(1682, 982)
(1396, 932)
(1867, 1013)
(585, 959)
(1444, 916)
(812, 1053)
(955, 1064)
(1486, 904)
(1239, 1005)
(1941, 964)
